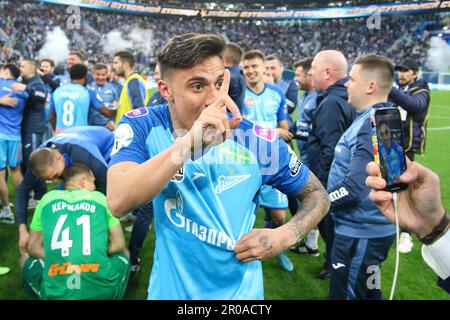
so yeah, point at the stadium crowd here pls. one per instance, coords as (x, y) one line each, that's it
(399, 36)
(60, 128)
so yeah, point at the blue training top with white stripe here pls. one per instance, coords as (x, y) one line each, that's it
(208, 205)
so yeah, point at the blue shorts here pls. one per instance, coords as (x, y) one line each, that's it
(10, 153)
(272, 198)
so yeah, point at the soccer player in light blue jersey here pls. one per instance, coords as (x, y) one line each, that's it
(265, 105)
(203, 169)
(11, 114)
(70, 103)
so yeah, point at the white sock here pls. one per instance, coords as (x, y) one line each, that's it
(312, 240)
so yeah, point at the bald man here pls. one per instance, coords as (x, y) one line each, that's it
(332, 117)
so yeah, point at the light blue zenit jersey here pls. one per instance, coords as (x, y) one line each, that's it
(71, 104)
(208, 205)
(266, 108)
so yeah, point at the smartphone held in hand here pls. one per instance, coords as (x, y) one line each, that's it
(388, 146)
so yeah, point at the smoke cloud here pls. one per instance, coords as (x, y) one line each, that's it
(438, 55)
(56, 46)
(136, 39)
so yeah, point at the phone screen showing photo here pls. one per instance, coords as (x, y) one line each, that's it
(391, 147)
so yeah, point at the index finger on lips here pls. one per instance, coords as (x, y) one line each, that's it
(232, 107)
(225, 83)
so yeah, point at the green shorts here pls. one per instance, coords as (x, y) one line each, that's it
(121, 263)
(32, 274)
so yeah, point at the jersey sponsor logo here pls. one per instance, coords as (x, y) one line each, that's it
(265, 134)
(174, 211)
(122, 137)
(69, 268)
(249, 102)
(338, 194)
(227, 182)
(137, 113)
(296, 168)
(179, 176)
(232, 152)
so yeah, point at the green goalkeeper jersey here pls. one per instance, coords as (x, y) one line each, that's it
(74, 226)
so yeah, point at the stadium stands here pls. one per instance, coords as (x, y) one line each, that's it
(400, 35)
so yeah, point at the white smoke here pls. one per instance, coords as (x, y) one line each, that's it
(56, 46)
(142, 39)
(114, 41)
(135, 39)
(438, 55)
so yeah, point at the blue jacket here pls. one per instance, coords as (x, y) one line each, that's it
(356, 216)
(290, 90)
(415, 99)
(34, 113)
(237, 87)
(306, 107)
(51, 84)
(332, 117)
(156, 100)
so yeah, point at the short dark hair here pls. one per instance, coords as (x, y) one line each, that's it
(79, 54)
(100, 66)
(188, 50)
(274, 56)
(74, 170)
(50, 62)
(254, 54)
(78, 71)
(125, 56)
(33, 62)
(13, 69)
(304, 63)
(236, 52)
(380, 66)
(40, 160)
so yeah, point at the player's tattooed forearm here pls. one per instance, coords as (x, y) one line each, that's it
(315, 205)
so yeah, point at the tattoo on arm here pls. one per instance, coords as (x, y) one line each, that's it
(314, 206)
(263, 241)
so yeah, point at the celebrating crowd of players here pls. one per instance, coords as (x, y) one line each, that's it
(74, 246)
